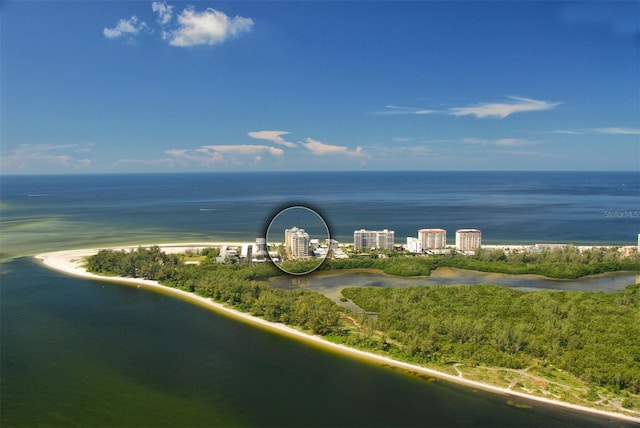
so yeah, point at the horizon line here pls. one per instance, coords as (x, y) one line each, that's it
(47, 174)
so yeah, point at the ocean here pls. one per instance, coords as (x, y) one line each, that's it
(54, 212)
(86, 353)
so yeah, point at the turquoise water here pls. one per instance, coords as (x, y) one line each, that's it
(40, 213)
(85, 353)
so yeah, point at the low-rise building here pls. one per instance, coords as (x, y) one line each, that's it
(414, 245)
(333, 244)
(259, 251)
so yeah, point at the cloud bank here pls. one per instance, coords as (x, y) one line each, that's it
(47, 155)
(225, 154)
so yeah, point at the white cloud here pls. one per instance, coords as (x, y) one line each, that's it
(225, 155)
(618, 131)
(192, 28)
(206, 28)
(322, 149)
(228, 155)
(243, 149)
(565, 132)
(393, 109)
(273, 136)
(524, 153)
(502, 110)
(605, 131)
(164, 11)
(29, 156)
(504, 142)
(170, 162)
(126, 28)
(480, 111)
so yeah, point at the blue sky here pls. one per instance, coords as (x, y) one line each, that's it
(118, 86)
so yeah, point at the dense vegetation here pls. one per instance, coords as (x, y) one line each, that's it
(593, 335)
(149, 263)
(562, 262)
(238, 285)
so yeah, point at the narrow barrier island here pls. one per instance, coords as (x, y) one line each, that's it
(577, 347)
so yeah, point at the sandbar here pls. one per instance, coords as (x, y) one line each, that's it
(71, 262)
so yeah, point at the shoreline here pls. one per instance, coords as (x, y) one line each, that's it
(70, 262)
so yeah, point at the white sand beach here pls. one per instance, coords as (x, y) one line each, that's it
(71, 262)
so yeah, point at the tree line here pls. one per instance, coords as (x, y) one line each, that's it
(242, 286)
(560, 262)
(593, 335)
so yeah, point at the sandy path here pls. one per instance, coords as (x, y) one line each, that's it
(70, 262)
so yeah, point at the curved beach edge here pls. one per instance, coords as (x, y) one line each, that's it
(71, 262)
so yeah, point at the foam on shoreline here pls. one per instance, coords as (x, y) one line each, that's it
(71, 262)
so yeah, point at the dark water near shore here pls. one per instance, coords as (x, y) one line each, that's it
(85, 353)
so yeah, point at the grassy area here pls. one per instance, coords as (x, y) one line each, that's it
(192, 258)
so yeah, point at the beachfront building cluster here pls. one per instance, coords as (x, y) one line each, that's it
(434, 241)
(373, 239)
(431, 240)
(244, 253)
(296, 242)
(329, 247)
(468, 239)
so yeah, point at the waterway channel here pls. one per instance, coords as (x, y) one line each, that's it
(332, 283)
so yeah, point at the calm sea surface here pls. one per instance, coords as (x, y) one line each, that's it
(85, 353)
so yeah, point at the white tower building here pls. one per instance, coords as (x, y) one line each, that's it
(432, 239)
(297, 241)
(468, 239)
(383, 239)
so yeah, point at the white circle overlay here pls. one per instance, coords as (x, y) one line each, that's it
(303, 218)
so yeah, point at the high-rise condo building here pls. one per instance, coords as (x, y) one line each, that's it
(382, 239)
(297, 242)
(432, 239)
(468, 239)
